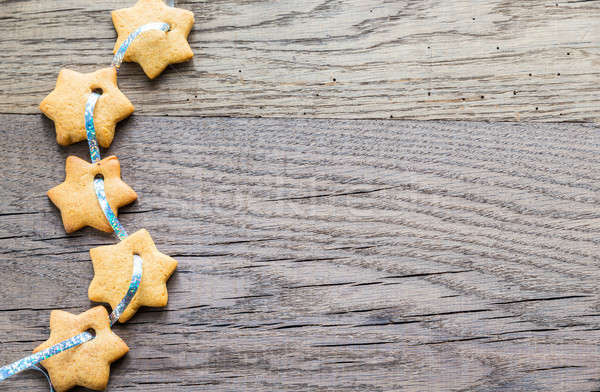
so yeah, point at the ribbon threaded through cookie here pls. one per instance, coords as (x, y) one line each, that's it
(89, 126)
(95, 156)
(31, 361)
(118, 58)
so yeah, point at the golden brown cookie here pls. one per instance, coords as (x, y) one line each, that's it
(76, 197)
(113, 267)
(154, 49)
(65, 105)
(88, 364)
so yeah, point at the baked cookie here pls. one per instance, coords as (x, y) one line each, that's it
(113, 267)
(65, 105)
(88, 364)
(76, 197)
(154, 49)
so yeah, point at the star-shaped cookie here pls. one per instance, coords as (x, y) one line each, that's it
(88, 364)
(65, 105)
(76, 197)
(154, 49)
(113, 267)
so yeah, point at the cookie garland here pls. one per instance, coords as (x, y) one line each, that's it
(131, 273)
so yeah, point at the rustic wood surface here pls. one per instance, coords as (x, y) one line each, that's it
(320, 255)
(476, 60)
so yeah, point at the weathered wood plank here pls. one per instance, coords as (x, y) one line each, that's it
(477, 60)
(327, 255)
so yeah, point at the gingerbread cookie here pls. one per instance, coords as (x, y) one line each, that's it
(65, 105)
(113, 266)
(76, 197)
(154, 49)
(87, 365)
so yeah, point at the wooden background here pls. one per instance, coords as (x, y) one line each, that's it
(321, 254)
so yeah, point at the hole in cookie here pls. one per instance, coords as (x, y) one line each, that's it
(137, 258)
(98, 90)
(91, 331)
(98, 180)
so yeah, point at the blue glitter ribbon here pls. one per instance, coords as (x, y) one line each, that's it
(118, 58)
(108, 212)
(31, 361)
(134, 285)
(89, 126)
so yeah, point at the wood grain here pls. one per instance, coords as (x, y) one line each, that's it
(327, 255)
(475, 60)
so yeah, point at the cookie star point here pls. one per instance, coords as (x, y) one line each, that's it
(65, 105)
(88, 364)
(76, 197)
(154, 50)
(113, 267)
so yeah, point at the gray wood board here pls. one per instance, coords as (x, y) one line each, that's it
(476, 60)
(326, 255)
